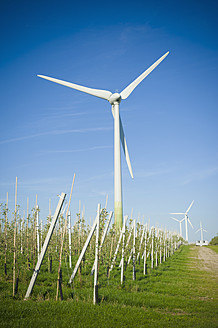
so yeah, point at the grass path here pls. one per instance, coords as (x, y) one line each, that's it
(182, 292)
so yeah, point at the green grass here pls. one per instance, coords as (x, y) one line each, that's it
(176, 294)
(214, 248)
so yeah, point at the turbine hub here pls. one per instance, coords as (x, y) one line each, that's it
(115, 98)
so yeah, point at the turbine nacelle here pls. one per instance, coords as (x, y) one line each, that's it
(114, 98)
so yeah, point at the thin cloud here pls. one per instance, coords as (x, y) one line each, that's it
(78, 150)
(31, 182)
(61, 113)
(54, 132)
(100, 176)
(151, 173)
(200, 175)
(42, 181)
(7, 184)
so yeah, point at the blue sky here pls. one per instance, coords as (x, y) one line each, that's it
(49, 132)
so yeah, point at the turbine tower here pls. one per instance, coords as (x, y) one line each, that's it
(187, 220)
(114, 99)
(201, 229)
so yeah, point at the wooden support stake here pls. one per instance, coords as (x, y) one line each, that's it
(83, 250)
(69, 235)
(45, 245)
(95, 297)
(63, 235)
(133, 255)
(6, 224)
(145, 254)
(118, 244)
(123, 251)
(37, 231)
(15, 229)
(103, 239)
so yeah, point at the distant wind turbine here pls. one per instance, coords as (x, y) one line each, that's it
(114, 99)
(201, 229)
(186, 218)
(180, 225)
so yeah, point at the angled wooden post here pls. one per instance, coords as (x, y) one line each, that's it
(45, 246)
(95, 296)
(83, 251)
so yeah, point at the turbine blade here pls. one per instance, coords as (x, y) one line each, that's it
(190, 223)
(104, 94)
(175, 219)
(197, 230)
(205, 230)
(190, 206)
(128, 90)
(125, 149)
(124, 145)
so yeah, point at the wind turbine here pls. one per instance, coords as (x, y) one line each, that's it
(186, 218)
(114, 99)
(180, 225)
(201, 229)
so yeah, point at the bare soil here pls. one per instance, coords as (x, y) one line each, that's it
(208, 259)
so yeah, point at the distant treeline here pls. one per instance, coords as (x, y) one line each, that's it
(214, 241)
